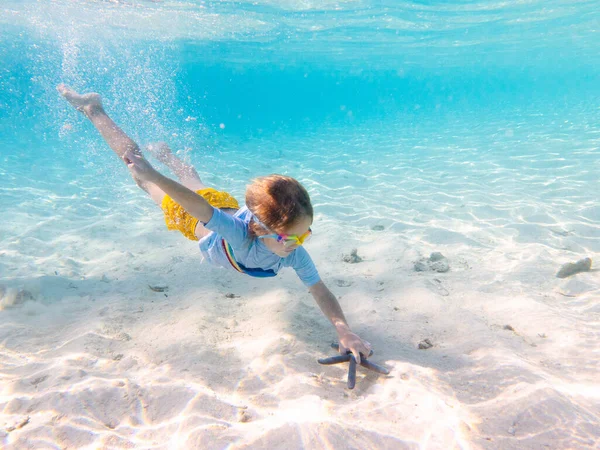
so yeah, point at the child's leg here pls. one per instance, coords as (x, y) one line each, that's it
(188, 176)
(91, 105)
(186, 173)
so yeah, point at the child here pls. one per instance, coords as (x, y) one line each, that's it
(258, 239)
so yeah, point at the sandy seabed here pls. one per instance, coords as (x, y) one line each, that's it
(92, 357)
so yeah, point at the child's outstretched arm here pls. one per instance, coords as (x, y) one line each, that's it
(333, 311)
(193, 203)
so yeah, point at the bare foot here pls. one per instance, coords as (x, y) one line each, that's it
(83, 103)
(161, 151)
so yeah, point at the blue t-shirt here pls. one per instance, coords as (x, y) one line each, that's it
(250, 253)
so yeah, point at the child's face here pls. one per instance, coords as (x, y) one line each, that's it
(299, 228)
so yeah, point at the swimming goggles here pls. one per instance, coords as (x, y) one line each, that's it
(288, 240)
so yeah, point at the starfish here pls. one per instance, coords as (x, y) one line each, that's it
(352, 366)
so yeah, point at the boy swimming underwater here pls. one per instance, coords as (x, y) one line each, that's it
(257, 239)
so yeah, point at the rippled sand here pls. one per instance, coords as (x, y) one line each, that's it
(92, 357)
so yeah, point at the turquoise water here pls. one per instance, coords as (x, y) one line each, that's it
(245, 63)
(418, 105)
(467, 127)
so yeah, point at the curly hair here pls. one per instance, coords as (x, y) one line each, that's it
(278, 202)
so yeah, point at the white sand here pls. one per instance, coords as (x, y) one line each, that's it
(93, 358)
(98, 360)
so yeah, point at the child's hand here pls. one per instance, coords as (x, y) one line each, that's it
(351, 341)
(139, 167)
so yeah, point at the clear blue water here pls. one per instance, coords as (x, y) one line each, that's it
(470, 127)
(371, 93)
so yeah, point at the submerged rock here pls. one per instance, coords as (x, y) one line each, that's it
(441, 266)
(353, 257)
(342, 283)
(436, 256)
(568, 269)
(436, 262)
(159, 287)
(421, 266)
(425, 344)
(244, 416)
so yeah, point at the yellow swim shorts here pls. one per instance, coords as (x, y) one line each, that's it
(178, 218)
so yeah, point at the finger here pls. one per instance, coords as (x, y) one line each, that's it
(366, 354)
(356, 354)
(366, 349)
